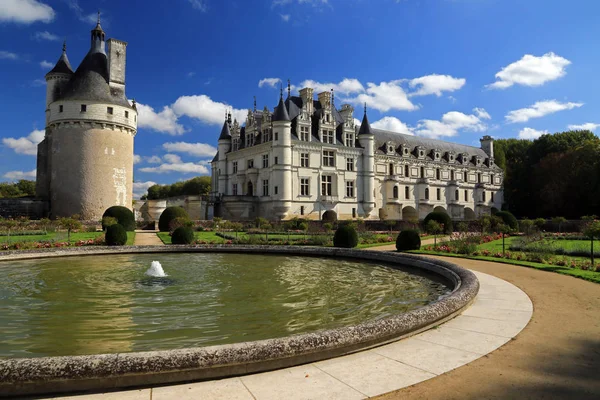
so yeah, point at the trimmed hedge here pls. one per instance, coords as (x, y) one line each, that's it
(440, 217)
(408, 240)
(182, 235)
(116, 235)
(329, 216)
(346, 237)
(123, 215)
(508, 219)
(170, 213)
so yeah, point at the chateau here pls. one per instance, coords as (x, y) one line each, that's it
(85, 162)
(307, 157)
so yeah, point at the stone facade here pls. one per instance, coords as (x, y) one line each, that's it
(85, 162)
(308, 157)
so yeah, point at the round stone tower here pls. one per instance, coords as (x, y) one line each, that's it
(85, 162)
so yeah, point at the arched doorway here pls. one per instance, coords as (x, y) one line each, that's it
(410, 214)
(250, 191)
(440, 209)
(469, 214)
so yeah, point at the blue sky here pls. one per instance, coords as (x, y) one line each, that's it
(450, 69)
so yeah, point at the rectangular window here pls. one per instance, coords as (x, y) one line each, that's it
(276, 135)
(250, 163)
(406, 192)
(266, 136)
(466, 195)
(350, 139)
(304, 187)
(452, 175)
(349, 188)
(326, 185)
(304, 134)
(456, 195)
(492, 196)
(109, 110)
(236, 144)
(126, 114)
(265, 159)
(479, 177)
(83, 108)
(276, 160)
(483, 196)
(265, 187)
(349, 164)
(60, 108)
(439, 194)
(235, 167)
(301, 210)
(406, 172)
(328, 136)
(275, 189)
(234, 189)
(328, 159)
(304, 160)
(466, 176)
(354, 213)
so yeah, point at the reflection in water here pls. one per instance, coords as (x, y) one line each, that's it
(91, 305)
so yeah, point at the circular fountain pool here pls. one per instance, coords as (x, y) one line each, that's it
(107, 304)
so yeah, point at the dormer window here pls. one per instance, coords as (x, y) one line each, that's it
(390, 148)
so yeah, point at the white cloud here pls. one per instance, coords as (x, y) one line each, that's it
(140, 188)
(172, 158)
(530, 133)
(271, 82)
(25, 11)
(185, 168)
(357, 122)
(345, 86)
(194, 149)
(285, 17)
(153, 160)
(190, 74)
(531, 71)
(384, 97)
(16, 175)
(7, 55)
(435, 84)
(38, 83)
(392, 124)
(481, 113)
(199, 5)
(45, 35)
(46, 64)
(25, 145)
(589, 126)
(137, 159)
(539, 109)
(449, 125)
(206, 110)
(164, 121)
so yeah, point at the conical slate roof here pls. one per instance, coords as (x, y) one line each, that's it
(225, 133)
(281, 113)
(365, 127)
(63, 66)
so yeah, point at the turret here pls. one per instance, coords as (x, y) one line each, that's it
(367, 142)
(58, 76)
(282, 159)
(224, 147)
(98, 36)
(487, 145)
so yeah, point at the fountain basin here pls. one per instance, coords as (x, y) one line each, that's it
(108, 371)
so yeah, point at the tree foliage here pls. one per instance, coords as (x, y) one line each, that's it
(346, 237)
(197, 186)
(21, 188)
(544, 176)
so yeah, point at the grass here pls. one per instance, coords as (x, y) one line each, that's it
(62, 237)
(210, 237)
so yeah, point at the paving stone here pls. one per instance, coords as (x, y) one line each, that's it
(475, 342)
(230, 389)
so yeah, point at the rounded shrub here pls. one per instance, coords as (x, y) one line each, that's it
(167, 216)
(508, 219)
(440, 217)
(408, 240)
(345, 236)
(123, 215)
(494, 211)
(329, 216)
(182, 235)
(116, 235)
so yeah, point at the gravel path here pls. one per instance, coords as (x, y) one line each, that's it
(147, 238)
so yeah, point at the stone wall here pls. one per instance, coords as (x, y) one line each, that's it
(23, 207)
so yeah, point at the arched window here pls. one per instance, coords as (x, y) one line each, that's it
(395, 192)
(426, 193)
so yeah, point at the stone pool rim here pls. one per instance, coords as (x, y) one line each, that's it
(44, 375)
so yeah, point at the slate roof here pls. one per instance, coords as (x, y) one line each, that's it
(225, 133)
(281, 113)
(63, 66)
(365, 127)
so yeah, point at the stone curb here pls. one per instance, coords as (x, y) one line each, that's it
(28, 376)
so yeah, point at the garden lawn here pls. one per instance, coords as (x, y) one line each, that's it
(61, 237)
(209, 237)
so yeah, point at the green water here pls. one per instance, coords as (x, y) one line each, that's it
(102, 304)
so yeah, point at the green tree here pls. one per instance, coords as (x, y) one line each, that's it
(526, 226)
(391, 223)
(44, 224)
(26, 187)
(592, 230)
(433, 228)
(559, 221)
(70, 224)
(9, 224)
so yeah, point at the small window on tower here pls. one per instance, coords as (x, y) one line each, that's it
(126, 114)
(60, 108)
(83, 108)
(109, 110)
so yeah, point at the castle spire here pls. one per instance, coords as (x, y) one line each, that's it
(365, 127)
(254, 103)
(63, 66)
(98, 37)
(281, 113)
(289, 89)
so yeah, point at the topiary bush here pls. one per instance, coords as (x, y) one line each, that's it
(408, 240)
(182, 235)
(167, 216)
(329, 216)
(494, 211)
(116, 235)
(441, 218)
(508, 219)
(123, 215)
(345, 236)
